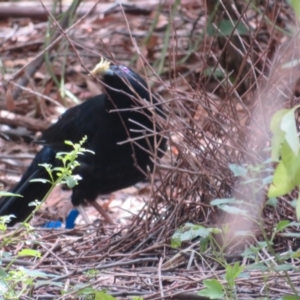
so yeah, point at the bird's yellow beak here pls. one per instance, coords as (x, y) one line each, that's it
(101, 68)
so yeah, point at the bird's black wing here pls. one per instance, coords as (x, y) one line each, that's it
(77, 122)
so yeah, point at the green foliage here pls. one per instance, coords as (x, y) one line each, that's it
(232, 273)
(5, 219)
(213, 289)
(216, 72)
(285, 150)
(63, 174)
(8, 194)
(190, 231)
(295, 4)
(289, 297)
(94, 294)
(255, 178)
(229, 205)
(92, 273)
(16, 283)
(238, 170)
(227, 28)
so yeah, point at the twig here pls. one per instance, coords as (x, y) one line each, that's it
(13, 119)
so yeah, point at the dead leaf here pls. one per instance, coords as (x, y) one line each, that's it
(9, 99)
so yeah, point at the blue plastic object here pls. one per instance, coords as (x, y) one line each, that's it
(71, 218)
(70, 221)
(52, 224)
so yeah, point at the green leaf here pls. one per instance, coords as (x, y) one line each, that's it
(188, 232)
(3, 288)
(36, 273)
(8, 194)
(48, 283)
(291, 234)
(282, 225)
(272, 202)
(96, 295)
(285, 267)
(204, 242)
(267, 180)
(175, 242)
(3, 274)
(4, 220)
(40, 180)
(262, 244)
(250, 252)
(293, 203)
(238, 170)
(282, 183)
(29, 252)
(213, 290)
(296, 6)
(232, 272)
(234, 210)
(244, 275)
(291, 162)
(34, 203)
(218, 73)
(72, 180)
(220, 201)
(258, 266)
(288, 126)
(289, 297)
(226, 27)
(278, 135)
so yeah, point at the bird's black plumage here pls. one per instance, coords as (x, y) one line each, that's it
(108, 120)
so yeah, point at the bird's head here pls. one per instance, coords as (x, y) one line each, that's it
(120, 80)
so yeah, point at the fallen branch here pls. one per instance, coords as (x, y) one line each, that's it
(12, 119)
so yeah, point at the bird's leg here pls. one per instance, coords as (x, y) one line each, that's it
(102, 212)
(83, 214)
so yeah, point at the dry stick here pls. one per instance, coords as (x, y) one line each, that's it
(19, 262)
(159, 278)
(37, 62)
(57, 257)
(10, 118)
(154, 123)
(28, 9)
(46, 254)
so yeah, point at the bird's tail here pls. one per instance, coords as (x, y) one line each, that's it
(18, 206)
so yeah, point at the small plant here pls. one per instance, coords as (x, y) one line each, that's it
(18, 282)
(15, 283)
(286, 152)
(91, 293)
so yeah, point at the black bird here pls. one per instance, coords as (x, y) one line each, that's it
(120, 130)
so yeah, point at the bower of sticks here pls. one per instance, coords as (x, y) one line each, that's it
(219, 92)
